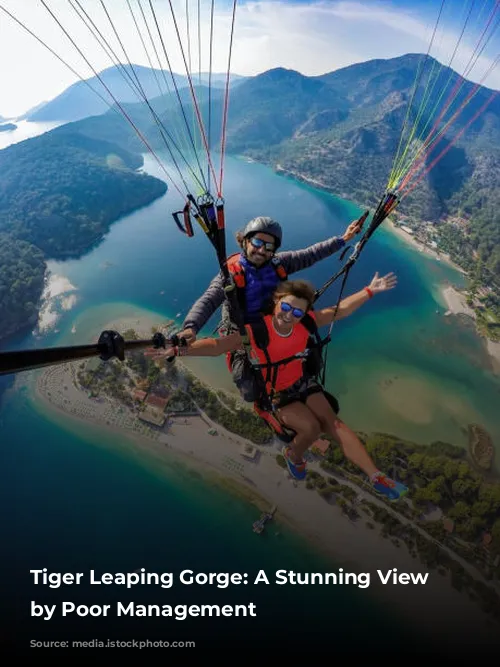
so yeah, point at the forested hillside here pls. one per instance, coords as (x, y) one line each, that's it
(59, 193)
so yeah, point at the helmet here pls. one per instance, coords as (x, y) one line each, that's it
(266, 226)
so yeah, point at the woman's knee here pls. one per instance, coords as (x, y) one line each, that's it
(328, 420)
(312, 428)
(332, 423)
(308, 427)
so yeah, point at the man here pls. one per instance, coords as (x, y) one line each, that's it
(257, 270)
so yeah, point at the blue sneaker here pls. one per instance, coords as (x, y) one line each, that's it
(387, 487)
(297, 470)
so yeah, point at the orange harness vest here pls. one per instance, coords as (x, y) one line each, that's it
(236, 270)
(238, 273)
(278, 349)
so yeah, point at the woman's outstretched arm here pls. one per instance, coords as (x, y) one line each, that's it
(351, 303)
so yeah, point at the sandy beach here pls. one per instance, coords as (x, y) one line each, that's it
(417, 245)
(457, 305)
(220, 459)
(456, 302)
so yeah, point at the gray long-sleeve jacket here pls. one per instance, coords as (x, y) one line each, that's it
(292, 261)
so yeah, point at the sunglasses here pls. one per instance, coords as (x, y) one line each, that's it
(287, 308)
(259, 243)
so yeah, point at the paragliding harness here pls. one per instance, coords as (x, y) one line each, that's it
(252, 378)
(265, 404)
(312, 357)
(238, 274)
(239, 363)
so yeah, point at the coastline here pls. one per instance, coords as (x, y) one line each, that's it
(388, 223)
(417, 245)
(457, 306)
(263, 483)
(454, 300)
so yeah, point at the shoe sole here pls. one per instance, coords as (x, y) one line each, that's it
(299, 479)
(392, 500)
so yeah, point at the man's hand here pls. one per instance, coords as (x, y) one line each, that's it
(383, 284)
(353, 229)
(189, 335)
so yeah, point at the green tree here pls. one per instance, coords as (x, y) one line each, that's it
(460, 511)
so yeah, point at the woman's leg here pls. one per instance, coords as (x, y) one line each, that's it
(353, 447)
(300, 419)
(347, 439)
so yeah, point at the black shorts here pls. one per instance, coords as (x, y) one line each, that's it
(297, 392)
(300, 391)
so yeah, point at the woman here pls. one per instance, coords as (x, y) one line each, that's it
(299, 401)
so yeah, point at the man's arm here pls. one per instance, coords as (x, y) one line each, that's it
(205, 306)
(204, 347)
(298, 260)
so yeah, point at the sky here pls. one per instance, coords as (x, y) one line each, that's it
(311, 37)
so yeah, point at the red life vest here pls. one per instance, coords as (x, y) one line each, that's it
(278, 349)
(238, 273)
(236, 270)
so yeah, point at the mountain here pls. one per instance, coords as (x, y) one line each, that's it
(264, 110)
(278, 105)
(59, 194)
(31, 112)
(370, 82)
(125, 84)
(342, 130)
(352, 131)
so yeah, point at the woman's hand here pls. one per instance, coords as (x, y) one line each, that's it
(383, 284)
(156, 354)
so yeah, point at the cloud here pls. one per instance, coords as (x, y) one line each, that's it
(310, 37)
(319, 37)
(466, 59)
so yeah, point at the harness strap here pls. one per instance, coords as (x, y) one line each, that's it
(287, 360)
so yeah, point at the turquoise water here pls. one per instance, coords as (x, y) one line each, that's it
(77, 502)
(440, 371)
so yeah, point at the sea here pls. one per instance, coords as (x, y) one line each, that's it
(75, 501)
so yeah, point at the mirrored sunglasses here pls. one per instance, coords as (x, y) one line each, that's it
(287, 308)
(259, 243)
